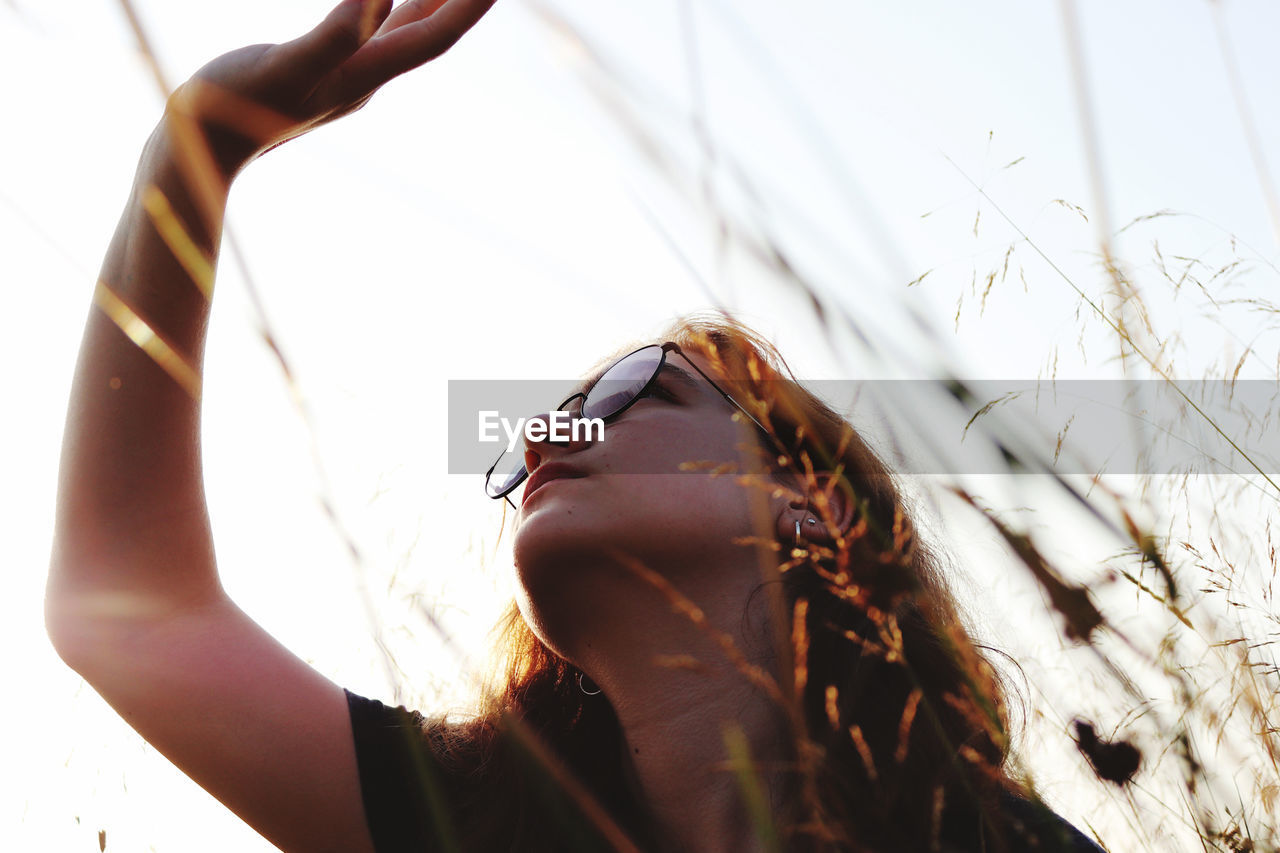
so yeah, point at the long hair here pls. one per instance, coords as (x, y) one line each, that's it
(899, 722)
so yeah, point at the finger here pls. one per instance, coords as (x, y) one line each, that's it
(408, 12)
(413, 43)
(351, 24)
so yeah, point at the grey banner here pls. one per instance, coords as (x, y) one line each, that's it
(977, 427)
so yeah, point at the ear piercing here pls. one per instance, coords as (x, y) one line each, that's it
(809, 521)
(586, 685)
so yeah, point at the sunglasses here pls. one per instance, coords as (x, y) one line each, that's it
(617, 389)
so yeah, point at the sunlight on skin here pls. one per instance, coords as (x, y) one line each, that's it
(197, 264)
(426, 536)
(137, 330)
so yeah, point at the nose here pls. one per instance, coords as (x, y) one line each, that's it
(552, 435)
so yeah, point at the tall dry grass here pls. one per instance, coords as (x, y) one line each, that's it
(1158, 661)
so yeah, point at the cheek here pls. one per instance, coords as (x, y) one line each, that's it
(663, 517)
(655, 518)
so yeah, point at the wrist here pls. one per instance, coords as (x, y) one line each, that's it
(195, 185)
(211, 127)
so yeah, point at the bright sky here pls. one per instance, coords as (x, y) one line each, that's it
(494, 216)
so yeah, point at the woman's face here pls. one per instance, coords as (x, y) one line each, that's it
(592, 507)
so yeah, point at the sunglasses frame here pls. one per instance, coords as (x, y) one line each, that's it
(668, 347)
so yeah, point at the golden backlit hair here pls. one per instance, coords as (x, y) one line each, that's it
(899, 721)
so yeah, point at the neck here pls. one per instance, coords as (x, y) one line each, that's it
(681, 700)
(695, 743)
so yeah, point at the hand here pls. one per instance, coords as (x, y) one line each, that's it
(250, 100)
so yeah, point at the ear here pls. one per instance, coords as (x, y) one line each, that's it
(823, 507)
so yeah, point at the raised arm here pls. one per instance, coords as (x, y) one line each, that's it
(134, 602)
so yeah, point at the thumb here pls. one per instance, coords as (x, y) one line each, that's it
(343, 31)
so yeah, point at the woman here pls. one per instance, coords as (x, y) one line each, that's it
(757, 654)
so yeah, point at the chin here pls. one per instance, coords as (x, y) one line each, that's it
(569, 588)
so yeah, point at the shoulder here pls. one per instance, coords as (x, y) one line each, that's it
(1043, 829)
(409, 784)
(430, 784)
(381, 727)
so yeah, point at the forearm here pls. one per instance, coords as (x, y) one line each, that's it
(132, 537)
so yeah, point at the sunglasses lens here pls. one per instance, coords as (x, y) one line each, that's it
(505, 475)
(621, 384)
(616, 389)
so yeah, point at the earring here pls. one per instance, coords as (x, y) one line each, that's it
(808, 521)
(587, 686)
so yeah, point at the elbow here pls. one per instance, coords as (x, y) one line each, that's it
(95, 619)
(87, 624)
(66, 614)
(68, 629)
(101, 600)
(62, 634)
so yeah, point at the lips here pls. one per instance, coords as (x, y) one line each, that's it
(544, 474)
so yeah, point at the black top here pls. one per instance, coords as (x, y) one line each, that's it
(398, 775)
(410, 797)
